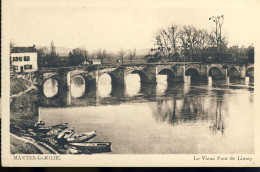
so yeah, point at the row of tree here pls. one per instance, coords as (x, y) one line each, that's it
(78, 56)
(188, 43)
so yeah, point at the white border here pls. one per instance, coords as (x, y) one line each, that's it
(124, 160)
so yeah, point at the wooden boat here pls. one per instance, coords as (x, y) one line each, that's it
(39, 124)
(66, 133)
(74, 150)
(54, 132)
(44, 129)
(61, 125)
(93, 147)
(82, 137)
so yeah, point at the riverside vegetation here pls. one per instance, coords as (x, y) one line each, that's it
(22, 113)
(22, 108)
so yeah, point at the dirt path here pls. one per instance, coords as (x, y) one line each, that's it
(19, 94)
(42, 147)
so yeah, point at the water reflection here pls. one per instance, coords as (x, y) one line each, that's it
(105, 85)
(161, 83)
(172, 118)
(78, 86)
(133, 84)
(50, 87)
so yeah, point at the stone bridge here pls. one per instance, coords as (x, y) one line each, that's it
(176, 72)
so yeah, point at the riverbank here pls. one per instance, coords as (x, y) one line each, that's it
(23, 105)
(23, 113)
(18, 85)
(20, 146)
(26, 145)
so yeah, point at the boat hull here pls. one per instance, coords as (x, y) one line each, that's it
(93, 147)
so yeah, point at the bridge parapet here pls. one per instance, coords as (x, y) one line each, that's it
(147, 72)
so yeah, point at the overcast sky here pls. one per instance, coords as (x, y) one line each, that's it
(120, 25)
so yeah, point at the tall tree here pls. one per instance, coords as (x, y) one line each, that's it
(122, 55)
(41, 56)
(173, 35)
(52, 58)
(251, 54)
(189, 38)
(132, 55)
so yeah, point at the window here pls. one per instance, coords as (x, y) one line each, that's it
(27, 66)
(15, 67)
(26, 58)
(20, 58)
(15, 58)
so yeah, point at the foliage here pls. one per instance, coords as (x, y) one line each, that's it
(251, 54)
(23, 85)
(78, 56)
(188, 43)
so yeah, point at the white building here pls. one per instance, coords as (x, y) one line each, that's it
(95, 61)
(24, 59)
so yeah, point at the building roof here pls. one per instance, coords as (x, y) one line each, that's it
(23, 49)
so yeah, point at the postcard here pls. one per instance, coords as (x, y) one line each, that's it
(130, 83)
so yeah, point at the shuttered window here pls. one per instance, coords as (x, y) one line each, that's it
(26, 58)
(15, 58)
(27, 67)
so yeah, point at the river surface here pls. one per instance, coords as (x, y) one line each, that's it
(180, 118)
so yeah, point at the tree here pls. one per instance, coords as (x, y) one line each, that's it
(52, 58)
(251, 54)
(122, 55)
(220, 40)
(78, 56)
(162, 43)
(132, 55)
(189, 38)
(42, 54)
(173, 35)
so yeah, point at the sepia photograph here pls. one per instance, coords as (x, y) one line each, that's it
(110, 82)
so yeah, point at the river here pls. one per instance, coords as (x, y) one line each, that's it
(180, 118)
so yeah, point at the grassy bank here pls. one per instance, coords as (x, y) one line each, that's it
(18, 85)
(24, 107)
(24, 110)
(21, 147)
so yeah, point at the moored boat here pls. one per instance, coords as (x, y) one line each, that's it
(93, 147)
(39, 124)
(40, 127)
(66, 133)
(61, 125)
(82, 137)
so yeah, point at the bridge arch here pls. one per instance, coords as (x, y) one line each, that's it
(234, 72)
(193, 73)
(51, 87)
(143, 76)
(215, 73)
(78, 86)
(113, 77)
(169, 72)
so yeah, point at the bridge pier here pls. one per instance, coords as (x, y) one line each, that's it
(151, 72)
(243, 72)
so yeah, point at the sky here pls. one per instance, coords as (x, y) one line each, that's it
(115, 24)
